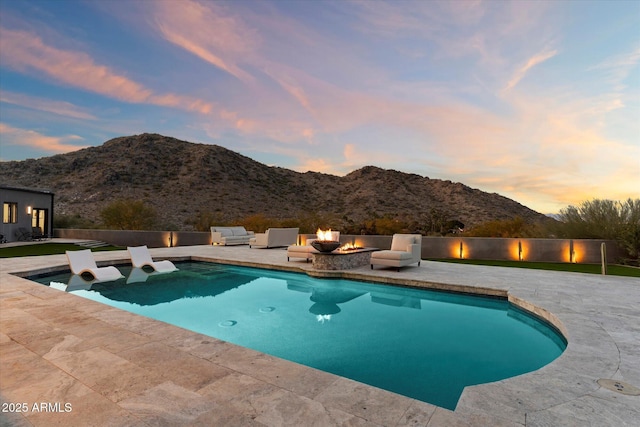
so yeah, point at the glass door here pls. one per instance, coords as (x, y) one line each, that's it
(39, 219)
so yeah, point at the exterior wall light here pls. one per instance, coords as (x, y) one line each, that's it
(29, 210)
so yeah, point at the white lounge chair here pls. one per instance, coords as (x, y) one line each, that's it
(140, 257)
(274, 238)
(406, 249)
(81, 262)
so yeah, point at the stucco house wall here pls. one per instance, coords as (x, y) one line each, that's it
(28, 202)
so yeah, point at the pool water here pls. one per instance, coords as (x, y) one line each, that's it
(423, 344)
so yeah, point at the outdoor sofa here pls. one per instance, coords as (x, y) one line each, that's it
(230, 235)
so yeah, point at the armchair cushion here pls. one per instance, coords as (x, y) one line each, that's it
(392, 255)
(402, 242)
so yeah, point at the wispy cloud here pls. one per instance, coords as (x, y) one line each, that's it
(27, 52)
(207, 31)
(531, 62)
(29, 138)
(61, 108)
(618, 68)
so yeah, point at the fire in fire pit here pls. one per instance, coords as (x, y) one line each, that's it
(349, 247)
(326, 241)
(325, 236)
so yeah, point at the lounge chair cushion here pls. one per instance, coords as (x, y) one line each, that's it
(301, 251)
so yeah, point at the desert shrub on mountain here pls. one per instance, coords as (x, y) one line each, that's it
(516, 227)
(72, 221)
(204, 220)
(128, 214)
(258, 223)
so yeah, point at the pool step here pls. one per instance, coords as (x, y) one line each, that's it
(90, 244)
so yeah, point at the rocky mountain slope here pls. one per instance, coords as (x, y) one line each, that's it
(184, 180)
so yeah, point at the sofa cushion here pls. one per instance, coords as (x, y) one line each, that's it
(238, 231)
(224, 231)
(401, 243)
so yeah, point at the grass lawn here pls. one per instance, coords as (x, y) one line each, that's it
(47, 249)
(612, 270)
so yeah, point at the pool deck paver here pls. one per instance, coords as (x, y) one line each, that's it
(116, 368)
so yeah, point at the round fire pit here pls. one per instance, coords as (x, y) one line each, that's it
(325, 245)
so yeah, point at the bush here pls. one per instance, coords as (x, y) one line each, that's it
(203, 221)
(516, 227)
(604, 219)
(71, 221)
(129, 215)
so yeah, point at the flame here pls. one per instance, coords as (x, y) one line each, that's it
(324, 235)
(349, 247)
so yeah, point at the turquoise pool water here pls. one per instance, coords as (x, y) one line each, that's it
(422, 344)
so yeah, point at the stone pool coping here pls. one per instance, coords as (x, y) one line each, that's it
(118, 368)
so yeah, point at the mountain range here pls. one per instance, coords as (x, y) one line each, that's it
(184, 180)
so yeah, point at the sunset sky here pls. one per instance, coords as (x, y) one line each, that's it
(537, 101)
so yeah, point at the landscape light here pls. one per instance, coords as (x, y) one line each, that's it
(520, 257)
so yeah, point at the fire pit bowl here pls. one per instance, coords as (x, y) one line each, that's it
(325, 245)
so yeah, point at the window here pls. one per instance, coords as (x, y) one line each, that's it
(10, 213)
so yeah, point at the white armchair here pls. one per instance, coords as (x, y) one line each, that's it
(274, 238)
(405, 249)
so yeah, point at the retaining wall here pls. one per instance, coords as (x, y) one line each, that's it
(537, 250)
(153, 239)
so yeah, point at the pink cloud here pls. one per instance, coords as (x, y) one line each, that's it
(25, 51)
(56, 107)
(531, 62)
(206, 31)
(30, 138)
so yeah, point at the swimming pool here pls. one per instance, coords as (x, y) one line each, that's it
(422, 344)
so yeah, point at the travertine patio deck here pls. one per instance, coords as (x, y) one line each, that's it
(115, 368)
